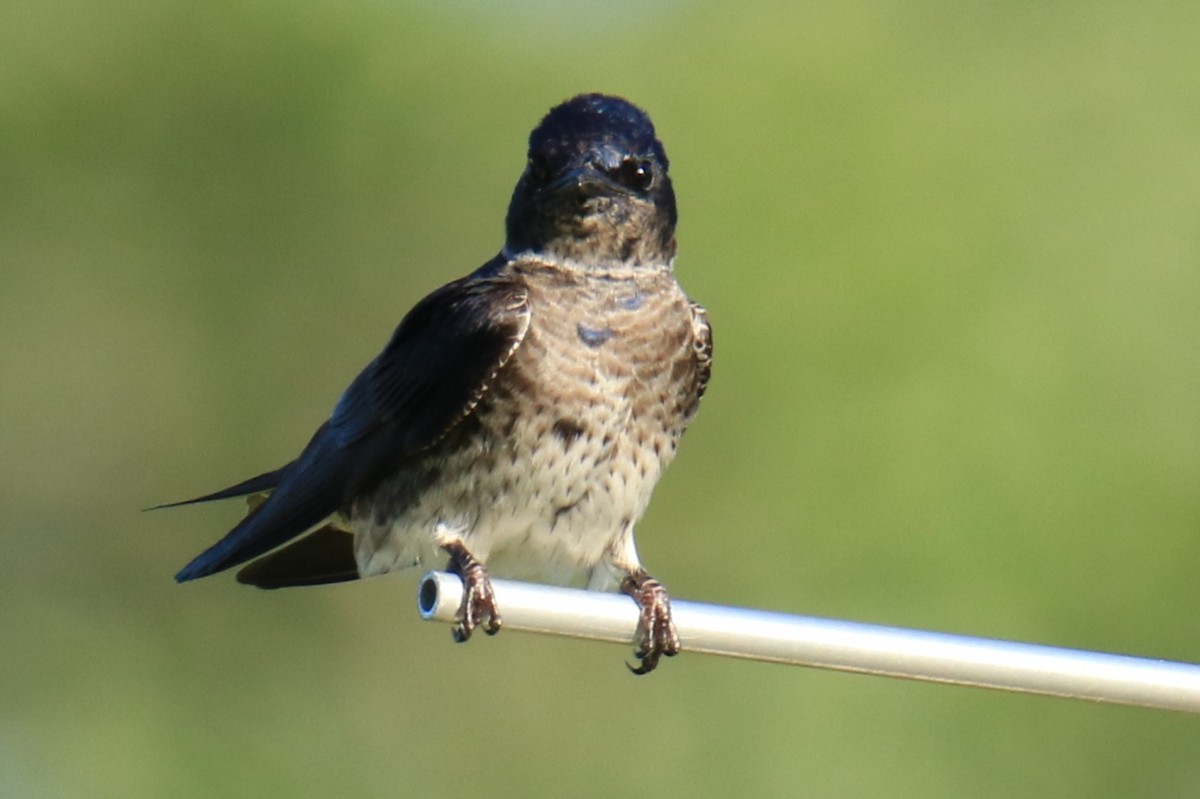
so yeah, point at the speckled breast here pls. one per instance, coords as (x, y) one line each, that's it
(561, 454)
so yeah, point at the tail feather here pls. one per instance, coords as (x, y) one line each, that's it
(255, 485)
(323, 556)
(301, 502)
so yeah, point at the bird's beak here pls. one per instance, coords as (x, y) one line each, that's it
(586, 180)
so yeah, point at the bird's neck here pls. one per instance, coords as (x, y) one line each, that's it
(585, 266)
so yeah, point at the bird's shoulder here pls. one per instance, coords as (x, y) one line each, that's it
(439, 360)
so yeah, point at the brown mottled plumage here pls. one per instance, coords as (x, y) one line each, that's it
(558, 459)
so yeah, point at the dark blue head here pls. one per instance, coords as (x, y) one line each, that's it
(596, 188)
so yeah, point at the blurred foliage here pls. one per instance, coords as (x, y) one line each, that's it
(951, 253)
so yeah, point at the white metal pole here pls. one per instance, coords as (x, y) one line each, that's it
(842, 645)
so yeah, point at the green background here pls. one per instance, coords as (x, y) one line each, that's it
(951, 255)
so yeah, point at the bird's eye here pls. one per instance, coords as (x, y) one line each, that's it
(634, 175)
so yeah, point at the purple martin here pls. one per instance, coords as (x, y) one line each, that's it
(519, 417)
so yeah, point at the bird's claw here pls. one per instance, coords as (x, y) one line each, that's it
(656, 634)
(479, 600)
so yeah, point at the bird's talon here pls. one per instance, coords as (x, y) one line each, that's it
(656, 632)
(479, 601)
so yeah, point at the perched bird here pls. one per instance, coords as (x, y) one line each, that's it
(520, 417)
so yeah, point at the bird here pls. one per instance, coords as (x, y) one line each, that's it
(519, 417)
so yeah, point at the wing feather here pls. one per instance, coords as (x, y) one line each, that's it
(430, 376)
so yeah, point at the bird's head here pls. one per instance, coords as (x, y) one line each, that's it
(595, 190)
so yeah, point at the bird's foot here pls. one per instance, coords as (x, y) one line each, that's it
(479, 601)
(656, 633)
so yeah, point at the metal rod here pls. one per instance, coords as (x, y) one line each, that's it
(841, 645)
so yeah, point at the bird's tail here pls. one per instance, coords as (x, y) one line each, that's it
(255, 485)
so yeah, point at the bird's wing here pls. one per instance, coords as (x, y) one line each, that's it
(702, 342)
(429, 377)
